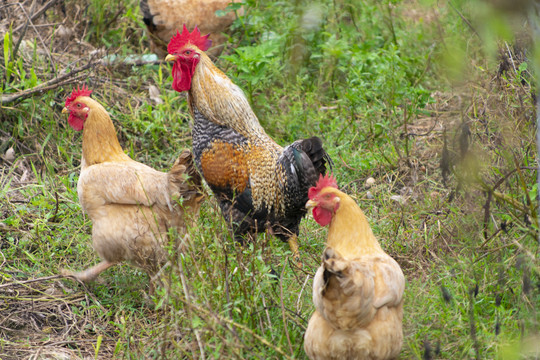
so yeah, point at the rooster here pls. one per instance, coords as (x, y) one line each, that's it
(259, 184)
(163, 17)
(131, 205)
(358, 289)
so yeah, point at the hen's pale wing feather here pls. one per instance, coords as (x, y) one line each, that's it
(346, 300)
(348, 292)
(389, 289)
(127, 183)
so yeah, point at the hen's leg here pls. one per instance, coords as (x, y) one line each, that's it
(293, 244)
(91, 273)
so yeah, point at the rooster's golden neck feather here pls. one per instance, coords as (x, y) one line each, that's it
(223, 102)
(100, 143)
(349, 232)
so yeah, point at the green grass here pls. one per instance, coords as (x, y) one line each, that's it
(384, 84)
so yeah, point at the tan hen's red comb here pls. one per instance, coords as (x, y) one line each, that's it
(78, 92)
(324, 181)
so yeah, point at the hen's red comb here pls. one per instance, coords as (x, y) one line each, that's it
(180, 40)
(78, 92)
(324, 181)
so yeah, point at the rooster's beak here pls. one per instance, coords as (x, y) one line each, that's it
(65, 110)
(170, 57)
(311, 204)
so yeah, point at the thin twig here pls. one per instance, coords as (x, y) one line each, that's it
(188, 299)
(300, 294)
(283, 310)
(490, 238)
(425, 133)
(227, 290)
(491, 192)
(465, 20)
(510, 57)
(53, 68)
(472, 324)
(4, 257)
(20, 283)
(266, 311)
(347, 165)
(53, 218)
(18, 142)
(16, 48)
(129, 62)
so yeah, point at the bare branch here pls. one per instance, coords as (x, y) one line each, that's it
(48, 85)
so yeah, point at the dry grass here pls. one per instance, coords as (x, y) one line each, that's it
(44, 319)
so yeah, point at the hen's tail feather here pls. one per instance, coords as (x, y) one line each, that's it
(335, 266)
(147, 14)
(190, 188)
(350, 279)
(334, 262)
(185, 165)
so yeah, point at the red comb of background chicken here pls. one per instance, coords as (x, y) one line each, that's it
(180, 40)
(78, 92)
(324, 181)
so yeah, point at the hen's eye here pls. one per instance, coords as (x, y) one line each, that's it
(187, 52)
(78, 105)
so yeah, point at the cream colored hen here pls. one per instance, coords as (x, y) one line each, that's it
(357, 291)
(131, 205)
(164, 17)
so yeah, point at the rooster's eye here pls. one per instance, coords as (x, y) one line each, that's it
(78, 105)
(187, 52)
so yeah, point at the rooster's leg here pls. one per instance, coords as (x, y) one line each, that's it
(293, 244)
(91, 273)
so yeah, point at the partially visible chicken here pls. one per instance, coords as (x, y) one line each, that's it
(131, 205)
(358, 290)
(164, 17)
(260, 185)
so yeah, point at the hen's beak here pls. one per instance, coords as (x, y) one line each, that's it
(311, 204)
(170, 57)
(65, 110)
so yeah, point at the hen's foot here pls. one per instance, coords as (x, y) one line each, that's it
(89, 274)
(293, 244)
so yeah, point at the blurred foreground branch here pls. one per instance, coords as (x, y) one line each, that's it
(534, 19)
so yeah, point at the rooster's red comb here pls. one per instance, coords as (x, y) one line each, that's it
(324, 181)
(78, 92)
(181, 39)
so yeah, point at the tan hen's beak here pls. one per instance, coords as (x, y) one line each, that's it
(65, 110)
(170, 57)
(311, 204)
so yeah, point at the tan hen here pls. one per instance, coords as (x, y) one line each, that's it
(164, 17)
(357, 291)
(131, 205)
